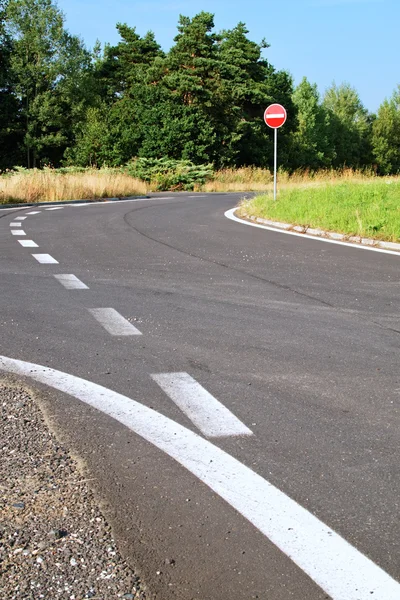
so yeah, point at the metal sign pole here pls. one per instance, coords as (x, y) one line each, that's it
(275, 159)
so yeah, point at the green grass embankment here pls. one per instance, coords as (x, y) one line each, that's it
(370, 209)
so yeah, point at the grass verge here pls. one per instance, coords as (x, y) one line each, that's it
(368, 209)
(51, 186)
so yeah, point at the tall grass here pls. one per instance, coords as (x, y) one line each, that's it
(253, 179)
(369, 208)
(51, 185)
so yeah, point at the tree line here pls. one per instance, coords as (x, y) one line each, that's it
(202, 101)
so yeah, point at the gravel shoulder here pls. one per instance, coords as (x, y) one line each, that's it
(55, 543)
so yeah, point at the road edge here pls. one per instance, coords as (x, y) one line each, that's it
(316, 234)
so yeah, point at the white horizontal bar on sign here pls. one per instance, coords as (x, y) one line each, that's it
(113, 322)
(208, 414)
(275, 116)
(71, 282)
(45, 259)
(15, 224)
(17, 232)
(28, 244)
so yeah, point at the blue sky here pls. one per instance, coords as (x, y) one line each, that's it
(357, 41)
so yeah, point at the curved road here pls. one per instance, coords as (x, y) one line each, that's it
(281, 354)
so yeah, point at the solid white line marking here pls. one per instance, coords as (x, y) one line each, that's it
(55, 208)
(71, 282)
(15, 224)
(28, 243)
(210, 416)
(113, 322)
(34, 212)
(338, 568)
(17, 232)
(230, 214)
(20, 218)
(45, 259)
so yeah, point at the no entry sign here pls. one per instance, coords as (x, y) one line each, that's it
(275, 116)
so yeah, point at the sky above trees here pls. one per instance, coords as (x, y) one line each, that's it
(327, 41)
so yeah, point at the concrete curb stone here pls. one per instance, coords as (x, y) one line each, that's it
(332, 235)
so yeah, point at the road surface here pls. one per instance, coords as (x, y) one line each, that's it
(236, 392)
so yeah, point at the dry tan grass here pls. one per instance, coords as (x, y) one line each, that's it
(49, 186)
(251, 179)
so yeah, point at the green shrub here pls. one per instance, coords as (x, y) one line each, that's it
(169, 174)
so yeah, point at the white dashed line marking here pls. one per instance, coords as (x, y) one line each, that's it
(34, 212)
(20, 218)
(211, 417)
(15, 224)
(28, 244)
(45, 259)
(341, 570)
(17, 232)
(71, 282)
(55, 208)
(113, 322)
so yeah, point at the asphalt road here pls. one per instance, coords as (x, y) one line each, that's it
(298, 339)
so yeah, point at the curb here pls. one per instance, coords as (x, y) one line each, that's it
(331, 235)
(82, 201)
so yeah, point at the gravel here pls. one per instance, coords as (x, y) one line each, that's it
(54, 541)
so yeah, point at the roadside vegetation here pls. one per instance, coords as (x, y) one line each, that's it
(141, 176)
(50, 185)
(202, 101)
(367, 208)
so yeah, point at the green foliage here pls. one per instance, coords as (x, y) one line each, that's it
(202, 101)
(51, 70)
(386, 135)
(310, 138)
(169, 174)
(350, 127)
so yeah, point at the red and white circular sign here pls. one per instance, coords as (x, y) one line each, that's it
(275, 116)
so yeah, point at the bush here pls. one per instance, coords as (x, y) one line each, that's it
(169, 174)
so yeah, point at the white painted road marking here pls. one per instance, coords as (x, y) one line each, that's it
(34, 212)
(20, 218)
(28, 244)
(113, 322)
(210, 416)
(55, 208)
(338, 568)
(45, 259)
(15, 224)
(230, 214)
(17, 232)
(71, 282)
